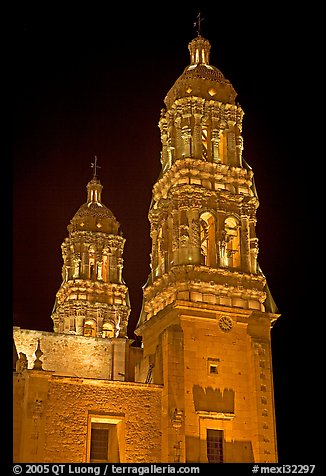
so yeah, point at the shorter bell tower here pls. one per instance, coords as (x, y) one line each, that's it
(93, 299)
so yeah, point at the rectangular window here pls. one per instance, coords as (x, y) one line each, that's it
(212, 366)
(214, 440)
(103, 439)
(99, 442)
(213, 369)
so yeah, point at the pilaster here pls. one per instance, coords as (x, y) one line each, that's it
(173, 407)
(33, 436)
(261, 383)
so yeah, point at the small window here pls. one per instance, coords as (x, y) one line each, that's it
(108, 330)
(212, 366)
(99, 442)
(214, 441)
(103, 441)
(90, 329)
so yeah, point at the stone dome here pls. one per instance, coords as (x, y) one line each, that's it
(93, 215)
(200, 79)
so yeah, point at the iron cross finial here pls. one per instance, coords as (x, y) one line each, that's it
(95, 166)
(197, 23)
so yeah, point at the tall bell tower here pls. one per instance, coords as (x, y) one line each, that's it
(207, 312)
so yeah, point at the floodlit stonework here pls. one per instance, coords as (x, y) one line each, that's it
(200, 389)
(93, 299)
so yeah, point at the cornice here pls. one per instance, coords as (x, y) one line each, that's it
(91, 236)
(89, 288)
(210, 176)
(203, 281)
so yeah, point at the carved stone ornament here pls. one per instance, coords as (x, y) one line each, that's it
(22, 362)
(177, 418)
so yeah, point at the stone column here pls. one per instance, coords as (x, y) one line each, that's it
(164, 137)
(197, 148)
(215, 145)
(231, 148)
(245, 245)
(239, 148)
(178, 137)
(186, 138)
(194, 220)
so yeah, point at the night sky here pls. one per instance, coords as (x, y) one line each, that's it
(92, 81)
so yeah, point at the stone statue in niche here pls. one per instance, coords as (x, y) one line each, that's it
(222, 248)
(77, 261)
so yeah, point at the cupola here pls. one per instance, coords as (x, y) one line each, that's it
(200, 79)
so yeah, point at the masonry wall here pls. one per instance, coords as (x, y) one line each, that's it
(73, 355)
(219, 400)
(54, 416)
(237, 397)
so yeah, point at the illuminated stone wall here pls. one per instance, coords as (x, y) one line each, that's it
(215, 364)
(78, 356)
(52, 417)
(223, 387)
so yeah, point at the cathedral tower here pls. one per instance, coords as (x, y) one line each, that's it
(93, 299)
(207, 313)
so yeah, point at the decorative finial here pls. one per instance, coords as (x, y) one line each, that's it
(38, 354)
(197, 23)
(95, 166)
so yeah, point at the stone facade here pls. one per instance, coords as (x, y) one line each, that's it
(200, 389)
(53, 415)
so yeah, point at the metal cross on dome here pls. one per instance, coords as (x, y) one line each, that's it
(95, 166)
(197, 23)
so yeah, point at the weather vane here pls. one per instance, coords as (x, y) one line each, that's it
(95, 166)
(197, 23)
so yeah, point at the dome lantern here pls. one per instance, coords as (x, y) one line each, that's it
(199, 51)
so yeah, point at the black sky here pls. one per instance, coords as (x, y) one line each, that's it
(91, 81)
